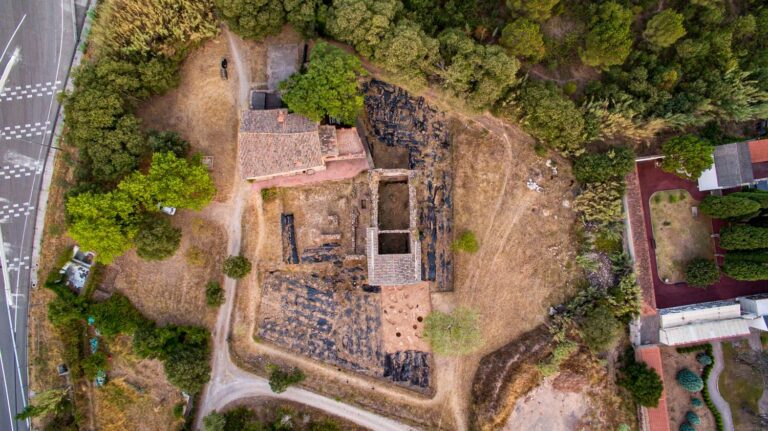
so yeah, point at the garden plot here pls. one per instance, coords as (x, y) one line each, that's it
(678, 399)
(680, 232)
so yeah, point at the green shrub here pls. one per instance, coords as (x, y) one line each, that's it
(689, 380)
(280, 380)
(236, 267)
(570, 88)
(685, 426)
(178, 410)
(613, 164)
(641, 381)
(214, 294)
(759, 196)
(165, 141)
(696, 402)
(600, 203)
(467, 242)
(693, 418)
(745, 270)
(729, 207)
(599, 328)
(703, 359)
(157, 239)
(268, 195)
(702, 273)
(743, 237)
(687, 156)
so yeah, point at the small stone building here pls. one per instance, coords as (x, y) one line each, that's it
(278, 149)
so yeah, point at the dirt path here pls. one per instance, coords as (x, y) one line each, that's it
(714, 391)
(243, 77)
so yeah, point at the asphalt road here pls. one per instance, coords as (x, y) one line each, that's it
(37, 39)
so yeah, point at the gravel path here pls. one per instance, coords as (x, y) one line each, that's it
(714, 391)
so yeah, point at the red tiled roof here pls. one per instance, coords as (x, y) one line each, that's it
(758, 150)
(658, 417)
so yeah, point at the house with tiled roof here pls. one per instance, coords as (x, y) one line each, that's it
(735, 165)
(275, 144)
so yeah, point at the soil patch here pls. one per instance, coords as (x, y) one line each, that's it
(393, 205)
(402, 322)
(547, 408)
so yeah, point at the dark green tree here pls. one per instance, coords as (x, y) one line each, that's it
(687, 156)
(280, 380)
(328, 88)
(537, 10)
(743, 237)
(702, 273)
(188, 369)
(609, 38)
(302, 15)
(165, 141)
(214, 294)
(523, 38)
(236, 267)
(214, 422)
(729, 207)
(599, 328)
(362, 23)
(665, 28)
(642, 382)
(745, 270)
(157, 239)
(408, 51)
(252, 19)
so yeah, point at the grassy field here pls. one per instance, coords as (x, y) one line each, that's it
(680, 237)
(741, 386)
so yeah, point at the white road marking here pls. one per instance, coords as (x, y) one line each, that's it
(7, 71)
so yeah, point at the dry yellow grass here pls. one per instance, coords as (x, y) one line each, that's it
(679, 236)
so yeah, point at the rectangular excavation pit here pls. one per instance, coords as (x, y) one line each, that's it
(394, 243)
(394, 213)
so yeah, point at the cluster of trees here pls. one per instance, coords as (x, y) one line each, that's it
(642, 382)
(244, 419)
(602, 176)
(110, 223)
(184, 350)
(280, 379)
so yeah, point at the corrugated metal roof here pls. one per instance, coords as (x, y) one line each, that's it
(697, 332)
(733, 165)
(706, 311)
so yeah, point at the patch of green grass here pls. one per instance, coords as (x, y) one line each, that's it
(270, 194)
(657, 198)
(467, 241)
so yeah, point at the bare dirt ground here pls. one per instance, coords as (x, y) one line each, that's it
(547, 408)
(138, 397)
(266, 409)
(202, 109)
(173, 290)
(678, 399)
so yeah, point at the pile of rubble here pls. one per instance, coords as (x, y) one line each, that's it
(399, 120)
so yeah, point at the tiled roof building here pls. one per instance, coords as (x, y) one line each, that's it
(274, 143)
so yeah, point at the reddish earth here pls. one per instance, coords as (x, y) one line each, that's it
(652, 179)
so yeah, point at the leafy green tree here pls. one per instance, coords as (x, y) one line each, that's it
(117, 315)
(705, 360)
(687, 156)
(626, 298)
(236, 267)
(280, 380)
(188, 369)
(599, 328)
(165, 141)
(537, 10)
(152, 28)
(407, 50)
(302, 15)
(481, 74)
(701, 273)
(743, 237)
(613, 164)
(759, 196)
(729, 207)
(157, 239)
(467, 241)
(362, 23)
(523, 38)
(253, 19)
(214, 294)
(600, 202)
(214, 422)
(665, 28)
(46, 402)
(689, 380)
(104, 223)
(609, 39)
(178, 182)
(642, 382)
(685, 426)
(328, 87)
(550, 117)
(455, 333)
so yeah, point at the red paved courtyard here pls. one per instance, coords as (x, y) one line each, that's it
(652, 179)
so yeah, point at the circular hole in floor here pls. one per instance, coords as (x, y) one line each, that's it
(420, 318)
(397, 334)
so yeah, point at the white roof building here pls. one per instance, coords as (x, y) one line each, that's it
(700, 322)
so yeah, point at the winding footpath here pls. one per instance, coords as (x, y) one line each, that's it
(714, 391)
